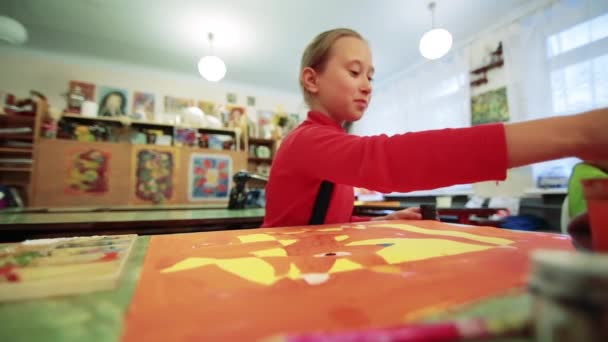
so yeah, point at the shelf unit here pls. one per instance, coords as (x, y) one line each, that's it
(13, 172)
(481, 72)
(257, 164)
(167, 128)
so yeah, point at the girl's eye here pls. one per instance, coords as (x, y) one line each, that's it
(354, 73)
(371, 79)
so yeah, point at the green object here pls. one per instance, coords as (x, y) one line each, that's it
(576, 197)
(491, 106)
(97, 316)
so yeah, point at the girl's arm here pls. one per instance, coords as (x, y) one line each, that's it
(584, 136)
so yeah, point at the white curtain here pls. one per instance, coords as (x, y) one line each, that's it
(436, 94)
(557, 64)
(433, 95)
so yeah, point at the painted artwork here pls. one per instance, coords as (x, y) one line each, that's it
(87, 172)
(154, 175)
(489, 107)
(50, 267)
(251, 101)
(112, 101)
(282, 281)
(265, 125)
(143, 106)
(83, 91)
(176, 105)
(210, 177)
(87, 89)
(231, 98)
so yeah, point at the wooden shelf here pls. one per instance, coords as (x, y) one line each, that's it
(479, 82)
(15, 169)
(488, 67)
(17, 119)
(259, 160)
(18, 136)
(87, 118)
(16, 150)
(259, 141)
(127, 121)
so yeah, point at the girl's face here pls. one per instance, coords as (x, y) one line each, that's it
(114, 103)
(343, 89)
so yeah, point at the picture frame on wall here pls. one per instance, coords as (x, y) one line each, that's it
(112, 101)
(79, 92)
(231, 98)
(176, 105)
(143, 106)
(491, 106)
(251, 101)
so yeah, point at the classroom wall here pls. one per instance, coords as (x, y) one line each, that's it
(518, 179)
(23, 69)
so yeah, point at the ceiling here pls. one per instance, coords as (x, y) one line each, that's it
(261, 41)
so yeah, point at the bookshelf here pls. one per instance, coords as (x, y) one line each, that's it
(18, 139)
(167, 128)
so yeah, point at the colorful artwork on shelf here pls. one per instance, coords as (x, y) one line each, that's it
(491, 106)
(77, 93)
(143, 106)
(265, 125)
(209, 108)
(88, 172)
(63, 266)
(210, 176)
(176, 105)
(112, 101)
(154, 175)
(87, 89)
(417, 269)
(185, 137)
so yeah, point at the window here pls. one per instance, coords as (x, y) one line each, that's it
(579, 72)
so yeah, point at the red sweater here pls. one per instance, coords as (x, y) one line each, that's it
(319, 149)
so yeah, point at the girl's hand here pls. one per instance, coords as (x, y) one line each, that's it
(405, 214)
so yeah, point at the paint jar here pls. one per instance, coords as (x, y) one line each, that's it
(570, 296)
(596, 194)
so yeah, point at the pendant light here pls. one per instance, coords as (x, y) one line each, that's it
(435, 43)
(211, 67)
(12, 31)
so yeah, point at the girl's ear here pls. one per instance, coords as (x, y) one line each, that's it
(309, 80)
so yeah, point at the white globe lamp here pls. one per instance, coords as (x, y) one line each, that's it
(437, 42)
(211, 67)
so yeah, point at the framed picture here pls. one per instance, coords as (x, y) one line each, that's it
(250, 101)
(209, 177)
(143, 106)
(175, 105)
(491, 106)
(113, 101)
(79, 92)
(231, 98)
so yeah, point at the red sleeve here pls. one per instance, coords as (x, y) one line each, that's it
(360, 218)
(404, 162)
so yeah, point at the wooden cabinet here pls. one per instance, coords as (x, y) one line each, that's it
(261, 153)
(18, 138)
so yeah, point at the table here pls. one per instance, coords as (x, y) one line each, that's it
(18, 225)
(101, 316)
(455, 215)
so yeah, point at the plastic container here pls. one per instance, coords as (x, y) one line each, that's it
(596, 194)
(570, 296)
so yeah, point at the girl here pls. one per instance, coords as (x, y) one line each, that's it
(318, 164)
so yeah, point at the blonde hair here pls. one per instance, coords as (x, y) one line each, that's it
(317, 53)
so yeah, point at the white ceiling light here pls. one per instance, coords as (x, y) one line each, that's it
(211, 67)
(12, 31)
(437, 42)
